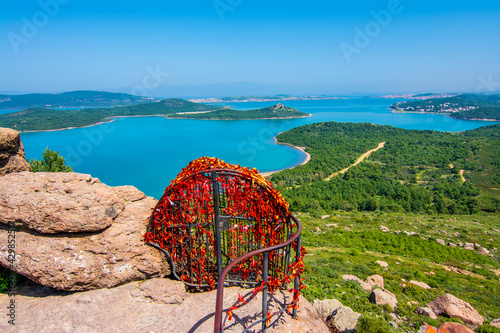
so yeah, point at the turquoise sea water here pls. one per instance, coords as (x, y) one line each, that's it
(148, 152)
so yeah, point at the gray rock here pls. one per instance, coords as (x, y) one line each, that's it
(440, 241)
(380, 297)
(57, 202)
(483, 251)
(344, 319)
(11, 152)
(425, 311)
(325, 307)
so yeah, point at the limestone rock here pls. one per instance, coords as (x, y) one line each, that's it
(495, 323)
(380, 297)
(420, 284)
(325, 307)
(453, 328)
(343, 319)
(128, 308)
(375, 281)
(382, 263)
(425, 311)
(57, 202)
(11, 152)
(84, 261)
(453, 307)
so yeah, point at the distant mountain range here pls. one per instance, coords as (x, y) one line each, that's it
(81, 98)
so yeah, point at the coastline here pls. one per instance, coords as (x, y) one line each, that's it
(447, 114)
(308, 157)
(212, 119)
(111, 119)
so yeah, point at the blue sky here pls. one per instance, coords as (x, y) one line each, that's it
(323, 47)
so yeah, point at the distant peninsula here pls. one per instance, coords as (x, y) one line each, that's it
(44, 119)
(465, 106)
(72, 99)
(272, 112)
(249, 98)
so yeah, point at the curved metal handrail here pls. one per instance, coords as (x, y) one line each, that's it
(222, 276)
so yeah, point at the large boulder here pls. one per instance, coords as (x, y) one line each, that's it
(325, 307)
(58, 202)
(453, 307)
(375, 281)
(381, 297)
(454, 328)
(11, 152)
(343, 319)
(156, 305)
(79, 261)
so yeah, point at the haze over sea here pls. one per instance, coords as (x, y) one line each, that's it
(148, 152)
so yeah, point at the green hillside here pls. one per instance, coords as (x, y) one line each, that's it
(275, 111)
(81, 98)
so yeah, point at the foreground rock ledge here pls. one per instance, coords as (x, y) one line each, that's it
(156, 305)
(84, 261)
(11, 152)
(57, 202)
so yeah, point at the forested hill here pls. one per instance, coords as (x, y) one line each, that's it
(466, 106)
(416, 171)
(81, 98)
(39, 119)
(275, 111)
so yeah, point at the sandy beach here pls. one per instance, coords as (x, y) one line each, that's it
(308, 157)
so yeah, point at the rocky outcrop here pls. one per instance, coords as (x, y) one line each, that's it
(381, 297)
(102, 244)
(453, 307)
(325, 307)
(343, 319)
(58, 202)
(11, 152)
(363, 285)
(157, 305)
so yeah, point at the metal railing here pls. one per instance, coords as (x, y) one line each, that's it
(265, 251)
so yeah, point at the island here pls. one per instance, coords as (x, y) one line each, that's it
(465, 106)
(71, 99)
(45, 119)
(278, 111)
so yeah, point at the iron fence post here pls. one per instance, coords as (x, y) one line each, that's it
(296, 282)
(215, 187)
(265, 273)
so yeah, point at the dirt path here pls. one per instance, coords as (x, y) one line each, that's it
(462, 175)
(361, 159)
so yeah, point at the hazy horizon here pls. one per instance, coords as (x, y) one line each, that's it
(226, 47)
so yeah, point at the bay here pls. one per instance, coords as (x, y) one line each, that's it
(148, 152)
